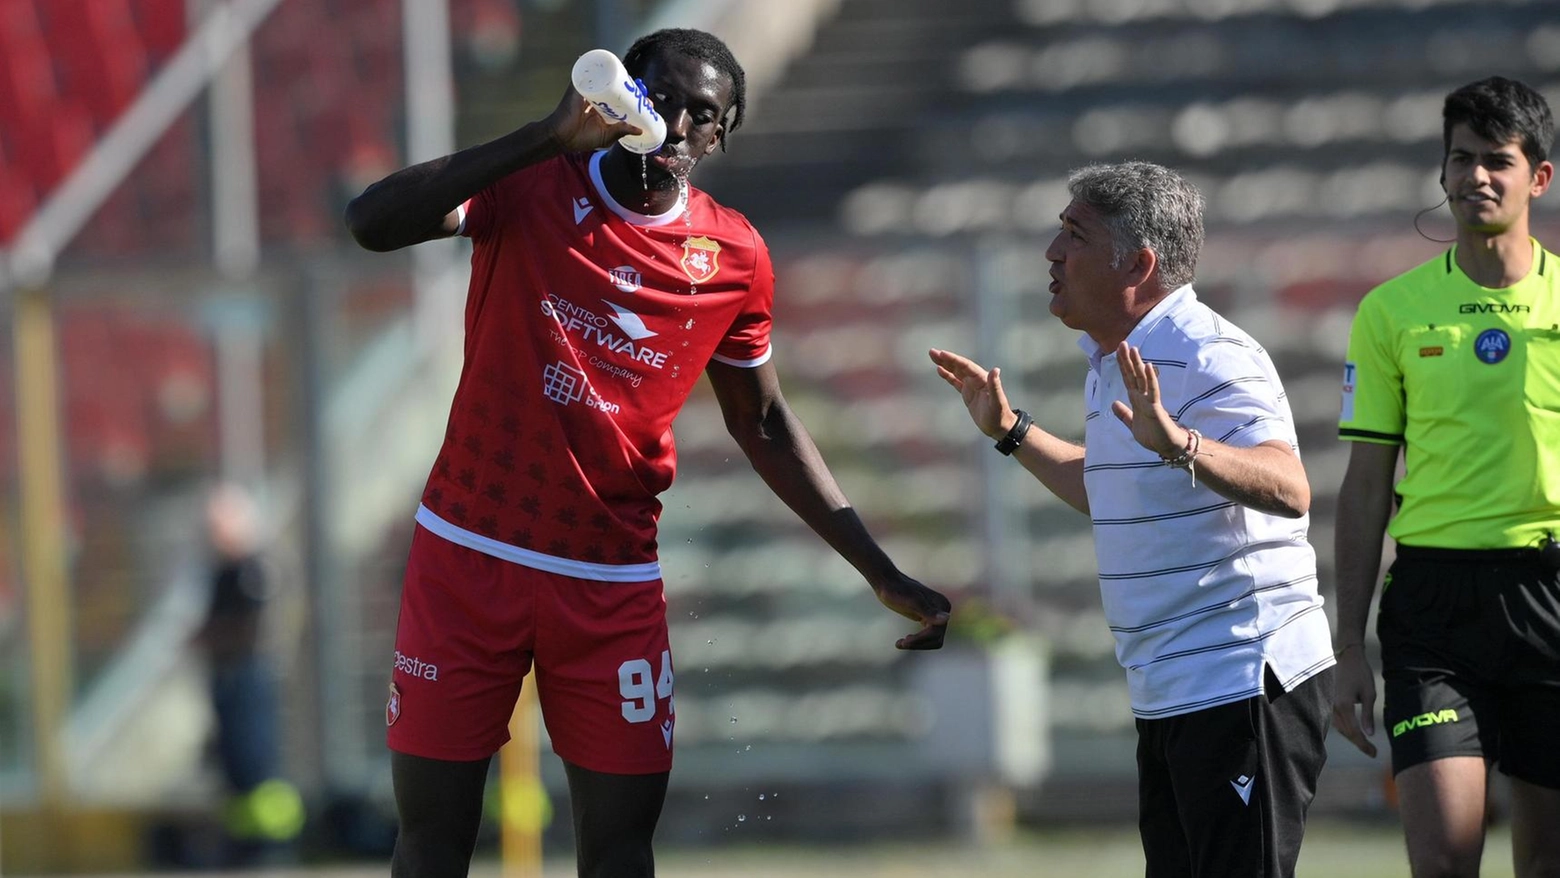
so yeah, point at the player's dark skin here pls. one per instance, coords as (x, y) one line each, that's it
(440, 802)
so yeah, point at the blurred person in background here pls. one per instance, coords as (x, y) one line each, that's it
(1457, 364)
(603, 285)
(1191, 474)
(264, 813)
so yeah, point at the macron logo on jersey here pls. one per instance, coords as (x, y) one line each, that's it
(582, 209)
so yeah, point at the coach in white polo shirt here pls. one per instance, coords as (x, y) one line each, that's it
(1191, 475)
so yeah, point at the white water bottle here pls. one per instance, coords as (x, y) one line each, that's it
(600, 77)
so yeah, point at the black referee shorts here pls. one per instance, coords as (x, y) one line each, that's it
(1470, 654)
(1223, 792)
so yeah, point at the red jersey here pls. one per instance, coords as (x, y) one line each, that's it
(586, 327)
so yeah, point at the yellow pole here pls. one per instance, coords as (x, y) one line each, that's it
(523, 800)
(43, 546)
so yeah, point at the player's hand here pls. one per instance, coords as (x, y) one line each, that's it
(579, 127)
(1151, 425)
(1356, 685)
(915, 601)
(982, 391)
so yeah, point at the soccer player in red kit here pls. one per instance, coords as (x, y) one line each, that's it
(602, 286)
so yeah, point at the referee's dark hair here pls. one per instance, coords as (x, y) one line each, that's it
(1500, 110)
(695, 44)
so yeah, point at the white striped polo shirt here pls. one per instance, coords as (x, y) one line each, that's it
(1200, 592)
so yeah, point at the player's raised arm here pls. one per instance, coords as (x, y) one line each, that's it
(420, 203)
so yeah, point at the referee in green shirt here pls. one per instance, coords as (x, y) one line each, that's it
(1457, 362)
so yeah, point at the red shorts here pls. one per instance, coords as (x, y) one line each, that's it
(472, 625)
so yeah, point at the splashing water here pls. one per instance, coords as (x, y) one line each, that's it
(682, 183)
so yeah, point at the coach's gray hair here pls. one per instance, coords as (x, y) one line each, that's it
(1145, 205)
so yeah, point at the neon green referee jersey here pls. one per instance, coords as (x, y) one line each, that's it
(1468, 380)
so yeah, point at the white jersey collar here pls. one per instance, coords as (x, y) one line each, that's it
(633, 216)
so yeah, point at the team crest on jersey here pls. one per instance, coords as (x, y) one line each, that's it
(393, 706)
(701, 258)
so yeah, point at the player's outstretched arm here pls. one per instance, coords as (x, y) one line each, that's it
(784, 455)
(419, 203)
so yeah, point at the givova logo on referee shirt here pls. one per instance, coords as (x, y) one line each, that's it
(1424, 719)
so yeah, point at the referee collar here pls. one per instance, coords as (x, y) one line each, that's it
(1180, 298)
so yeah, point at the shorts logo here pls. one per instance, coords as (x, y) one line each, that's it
(1492, 346)
(625, 278)
(1424, 719)
(393, 706)
(701, 258)
(416, 667)
(1243, 786)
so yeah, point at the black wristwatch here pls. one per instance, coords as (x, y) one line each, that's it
(1015, 437)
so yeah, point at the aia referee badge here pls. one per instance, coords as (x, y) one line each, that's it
(1492, 346)
(393, 706)
(701, 258)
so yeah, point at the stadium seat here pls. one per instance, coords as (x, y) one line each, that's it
(50, 147)
(17, 201)
(99, 51)
(161, 25)
(28, 89)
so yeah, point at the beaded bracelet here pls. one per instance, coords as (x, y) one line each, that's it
(1187, 459)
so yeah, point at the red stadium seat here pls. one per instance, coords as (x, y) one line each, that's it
(17, 201)
(50, 147)
(28, 90)
(99, 51)
(161, 25)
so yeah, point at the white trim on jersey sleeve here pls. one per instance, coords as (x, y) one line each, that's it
(460, 211)
(647, 572)
(760, 360)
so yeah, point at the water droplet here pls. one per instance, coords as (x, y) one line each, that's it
(733, 719)
(761, 797)
(747, 748)
(706, 797)
(741, 818)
